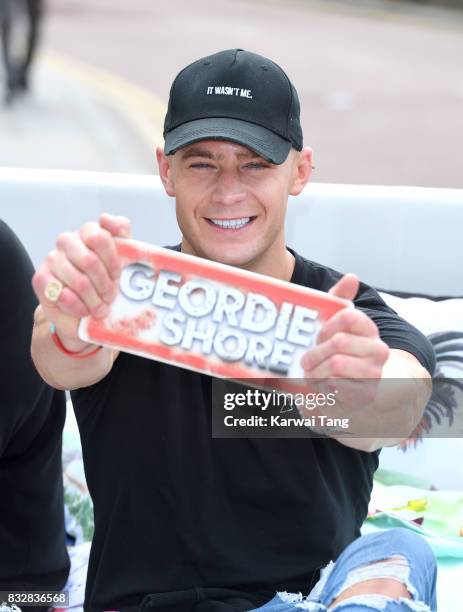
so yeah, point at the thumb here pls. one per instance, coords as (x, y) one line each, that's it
(347, 287)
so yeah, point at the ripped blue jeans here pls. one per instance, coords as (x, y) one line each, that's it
(398, 554)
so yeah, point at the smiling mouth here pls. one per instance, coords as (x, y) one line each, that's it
(231, 224)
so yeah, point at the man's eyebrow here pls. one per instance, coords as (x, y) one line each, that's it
(197, 152)
(249, 155)
(201, 152)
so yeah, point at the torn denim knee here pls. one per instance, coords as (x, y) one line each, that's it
(395, 568)
(374, 548)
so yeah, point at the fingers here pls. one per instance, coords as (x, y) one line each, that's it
(101, 242)
(345, 366)
(348, 346)
(83, 267)
(88, 266)
(61, 268)
(372, 349)
(348, 320)
(117, 226)
(66, 312)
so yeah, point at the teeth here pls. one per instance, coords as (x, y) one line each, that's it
(231, 223)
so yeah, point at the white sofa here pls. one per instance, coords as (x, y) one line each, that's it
(398, 238)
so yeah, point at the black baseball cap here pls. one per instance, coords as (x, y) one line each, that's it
(234, 95)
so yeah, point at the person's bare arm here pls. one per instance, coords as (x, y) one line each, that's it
(87, 264)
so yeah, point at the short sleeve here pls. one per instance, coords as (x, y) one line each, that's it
(395, 331)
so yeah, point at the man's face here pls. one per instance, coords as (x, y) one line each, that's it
(230, 202)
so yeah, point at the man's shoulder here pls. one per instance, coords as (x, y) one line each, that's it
(394, 330)
(312, 273)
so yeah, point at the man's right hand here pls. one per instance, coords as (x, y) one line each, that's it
(88, 266)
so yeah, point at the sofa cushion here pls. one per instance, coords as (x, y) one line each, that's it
(440, 433)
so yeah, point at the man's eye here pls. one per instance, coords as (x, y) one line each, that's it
(256, 166)
(201, 165)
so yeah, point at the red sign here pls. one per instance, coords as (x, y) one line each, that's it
(210, 317)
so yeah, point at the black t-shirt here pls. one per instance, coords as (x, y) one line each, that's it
(32, 537)
(195, 520)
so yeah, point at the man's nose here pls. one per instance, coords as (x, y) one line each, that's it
(228, 189)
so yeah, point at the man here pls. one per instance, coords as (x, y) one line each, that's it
(33, 554)
(184, 521)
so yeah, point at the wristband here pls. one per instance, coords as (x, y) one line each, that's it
(63, 349)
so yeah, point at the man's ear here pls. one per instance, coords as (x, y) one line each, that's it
(302, 171)
(165, 171)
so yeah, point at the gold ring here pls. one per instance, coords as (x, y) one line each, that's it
(53, 290)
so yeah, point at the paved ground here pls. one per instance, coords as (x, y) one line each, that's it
(380, 82)
(68, 125)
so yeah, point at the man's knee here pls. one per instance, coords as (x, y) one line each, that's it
(383, 567)
(385, 578)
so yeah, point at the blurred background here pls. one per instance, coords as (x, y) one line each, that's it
(380, 82)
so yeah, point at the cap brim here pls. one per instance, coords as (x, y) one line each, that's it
(265, 143)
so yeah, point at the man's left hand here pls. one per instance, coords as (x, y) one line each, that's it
(349, 344)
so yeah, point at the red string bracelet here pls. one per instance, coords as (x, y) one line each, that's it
(73, 354)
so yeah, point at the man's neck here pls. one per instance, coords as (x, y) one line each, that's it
(281, 266)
